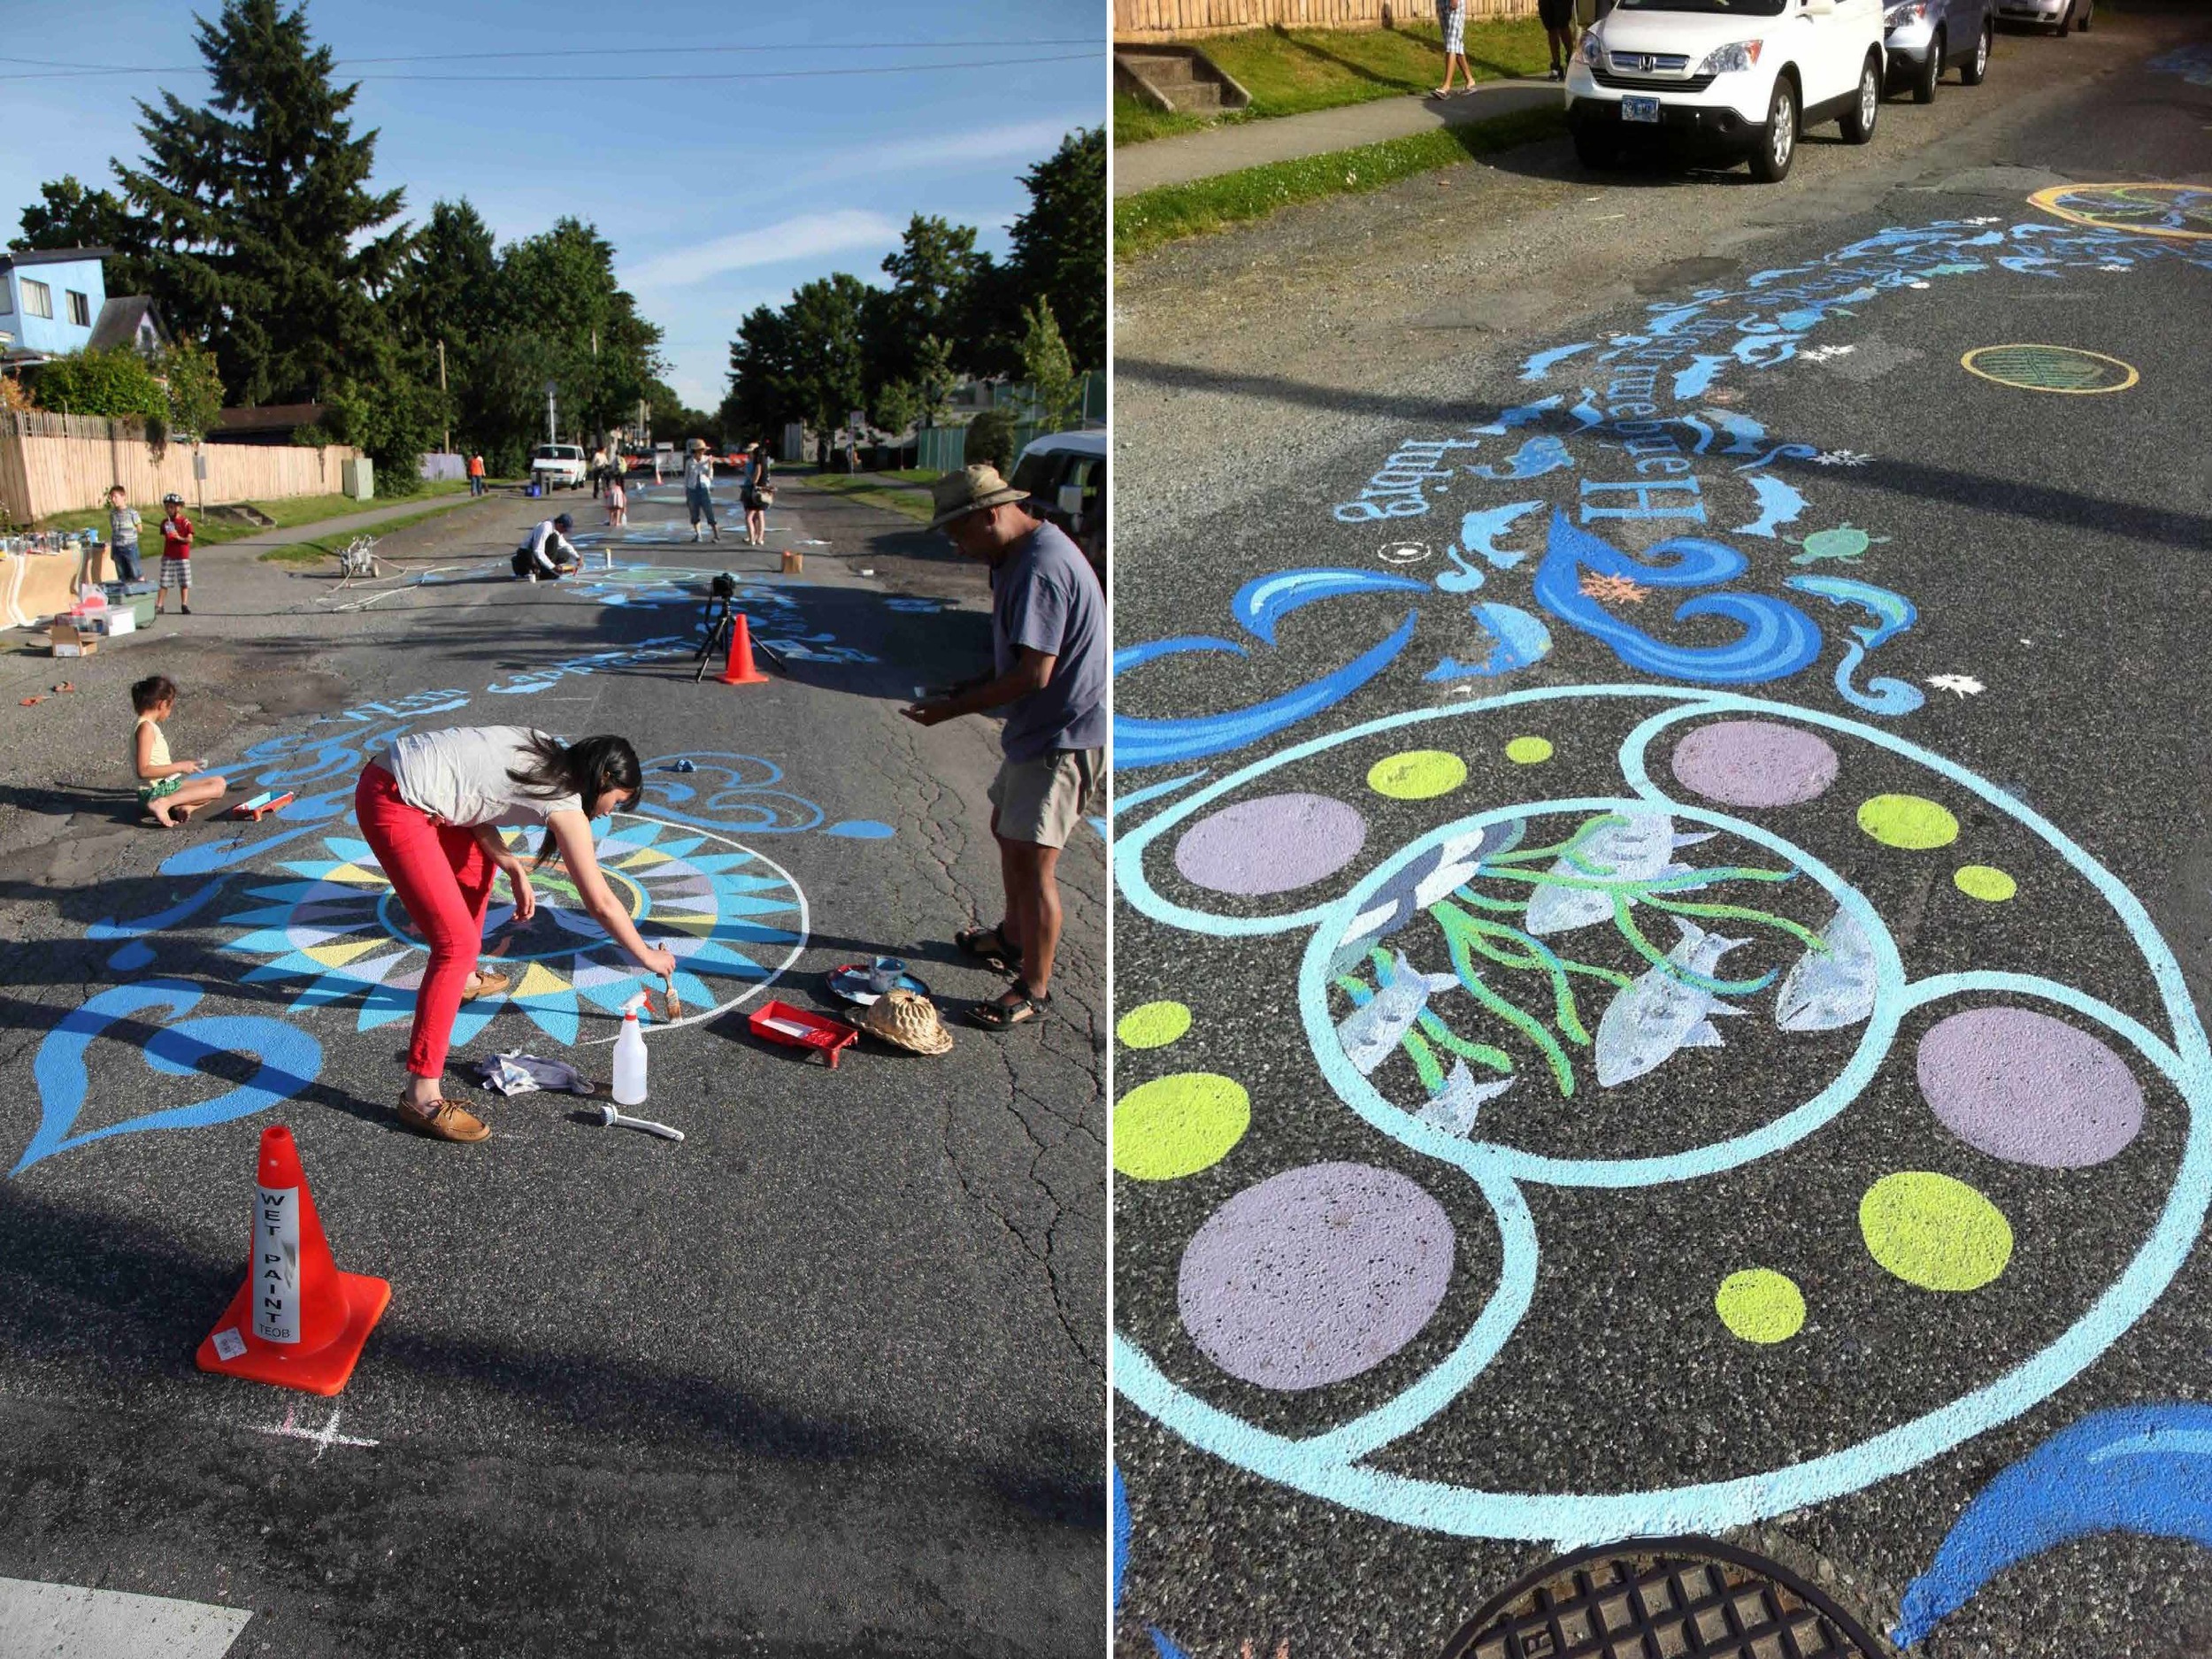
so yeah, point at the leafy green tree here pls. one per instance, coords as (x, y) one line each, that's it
(825, 373)
(116, 383)
(68, 215)
(1051, 377)
(930, 274)
(192, 385)
(990, 441)
(934, 377)
(258, 225)
(1060, 243)
(898, 407)
(762, 394)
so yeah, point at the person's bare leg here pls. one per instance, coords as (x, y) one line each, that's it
(1013, 927)
(1029, 871)
(196, 794)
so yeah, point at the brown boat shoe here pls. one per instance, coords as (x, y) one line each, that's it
(442, 1120)
(483, 984)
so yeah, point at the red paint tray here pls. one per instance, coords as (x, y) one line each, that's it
(779, 1022)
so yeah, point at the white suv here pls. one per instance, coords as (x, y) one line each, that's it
(1742, 76)
(555, 464)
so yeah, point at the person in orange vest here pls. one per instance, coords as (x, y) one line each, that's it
(476, 475)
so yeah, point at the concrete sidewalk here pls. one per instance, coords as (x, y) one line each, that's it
(1289, 137)
(261, 540)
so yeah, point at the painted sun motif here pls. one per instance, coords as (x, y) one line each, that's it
(734, 919)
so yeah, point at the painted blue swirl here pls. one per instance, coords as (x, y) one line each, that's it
(1266, 600)
(1892, 614)
(1779, 640)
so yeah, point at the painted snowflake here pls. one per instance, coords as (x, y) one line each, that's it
(734, 920)
(1841, 457)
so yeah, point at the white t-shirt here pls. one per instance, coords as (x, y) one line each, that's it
(459, 776)
(698, 472)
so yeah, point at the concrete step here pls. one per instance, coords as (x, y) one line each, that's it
(1201, 98)
(1165, 73)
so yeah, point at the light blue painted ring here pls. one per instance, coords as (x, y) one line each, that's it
(1325, 1466)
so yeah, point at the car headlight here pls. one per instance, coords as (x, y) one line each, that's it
(1730, 59)
(1592, 50)
(1910, 12)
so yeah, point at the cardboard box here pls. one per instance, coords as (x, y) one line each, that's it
(119, 621)
(69, 641)
(793, 563)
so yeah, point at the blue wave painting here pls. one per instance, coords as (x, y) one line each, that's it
(2146, 1470)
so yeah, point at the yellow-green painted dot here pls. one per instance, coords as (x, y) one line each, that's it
(1933, 1231)
(1527, 751)
(1910, 821)
(1417, 774)
(1760, 1305)
(1153, 1025)
(1985, 881)
(1178, 1125)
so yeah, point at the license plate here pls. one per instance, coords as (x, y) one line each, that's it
(1639, 109)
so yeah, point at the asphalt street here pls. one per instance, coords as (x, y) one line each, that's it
(1662, 879)
(824, 1378)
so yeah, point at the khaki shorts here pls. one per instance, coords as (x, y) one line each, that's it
(1041, 800)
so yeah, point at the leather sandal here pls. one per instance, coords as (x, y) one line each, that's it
(1001, 1015)
(989, 946)
(442, 1120)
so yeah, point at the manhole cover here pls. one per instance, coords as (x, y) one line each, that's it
(2050, 369)
(1676, 1599)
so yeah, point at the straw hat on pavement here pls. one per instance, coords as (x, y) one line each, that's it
(971, 489)
(906, 1020)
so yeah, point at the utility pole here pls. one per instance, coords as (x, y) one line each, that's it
(552, 428)
(448, 428)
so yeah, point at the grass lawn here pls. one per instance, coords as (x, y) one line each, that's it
(903, 491)
(1153, 216)
(1289, 72)
(323, 548)
(288, 512)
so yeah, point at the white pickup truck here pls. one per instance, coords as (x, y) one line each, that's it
(556, 465)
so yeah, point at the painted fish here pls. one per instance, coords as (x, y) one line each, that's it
(1827, 993)
(1451, 863)
(1657, 1013)
(1636, 847)
(1453, 1107)
(1370, 1034)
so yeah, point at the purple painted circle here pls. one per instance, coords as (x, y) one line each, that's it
(2028, 1089)
(1754, 762)
(1272, 844)
(1315, 1275)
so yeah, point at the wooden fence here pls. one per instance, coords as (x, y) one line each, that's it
(1136, 20)
(51, 463)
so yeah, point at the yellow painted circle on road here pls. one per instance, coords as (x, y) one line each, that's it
(1760, 1305)
(1528, 752)
(1417, 774)
(2183, 211)
(1178, 1125)
(1910, 821)
(1934, 1233)
(2067, 369)
(1986, 882)
(1153, 1024)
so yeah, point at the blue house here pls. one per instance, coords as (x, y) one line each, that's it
(50, 300)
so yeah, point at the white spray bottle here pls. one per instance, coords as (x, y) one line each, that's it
(629, 1057)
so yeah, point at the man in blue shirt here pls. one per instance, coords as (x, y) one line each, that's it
(1049, 646)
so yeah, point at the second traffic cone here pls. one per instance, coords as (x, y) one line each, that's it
(739, 671)
(297, 1321)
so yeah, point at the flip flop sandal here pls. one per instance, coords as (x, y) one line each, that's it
(1003, 1015)
(988, 945)
(27, 702)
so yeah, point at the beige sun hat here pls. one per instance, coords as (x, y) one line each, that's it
(904, 1018)
(971, 489)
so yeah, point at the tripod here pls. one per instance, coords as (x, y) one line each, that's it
(715, 628)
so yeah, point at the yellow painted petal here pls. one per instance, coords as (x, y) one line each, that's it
(541, 981)
(340, 952)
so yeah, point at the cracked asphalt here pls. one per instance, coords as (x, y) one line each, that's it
(827, 1378)
(2004, 581)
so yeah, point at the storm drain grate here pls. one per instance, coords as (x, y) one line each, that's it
(1686, 1599)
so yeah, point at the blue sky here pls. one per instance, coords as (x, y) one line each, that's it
(720, 195)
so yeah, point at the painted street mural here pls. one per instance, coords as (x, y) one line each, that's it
(1626, 950)
(299, 902)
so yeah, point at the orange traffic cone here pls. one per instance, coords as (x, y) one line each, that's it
(297, 1321)
(740, 670)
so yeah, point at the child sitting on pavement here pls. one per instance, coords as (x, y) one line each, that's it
(162, 786)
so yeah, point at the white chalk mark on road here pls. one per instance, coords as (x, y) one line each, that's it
(67, 1621)
(323, 1438)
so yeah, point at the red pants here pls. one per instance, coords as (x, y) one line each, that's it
(444, 879)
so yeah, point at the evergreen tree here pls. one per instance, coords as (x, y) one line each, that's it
(827, 374)
(930, 274)
(1060, 243)
(67, 215)
(260, 225)
(763, 394)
